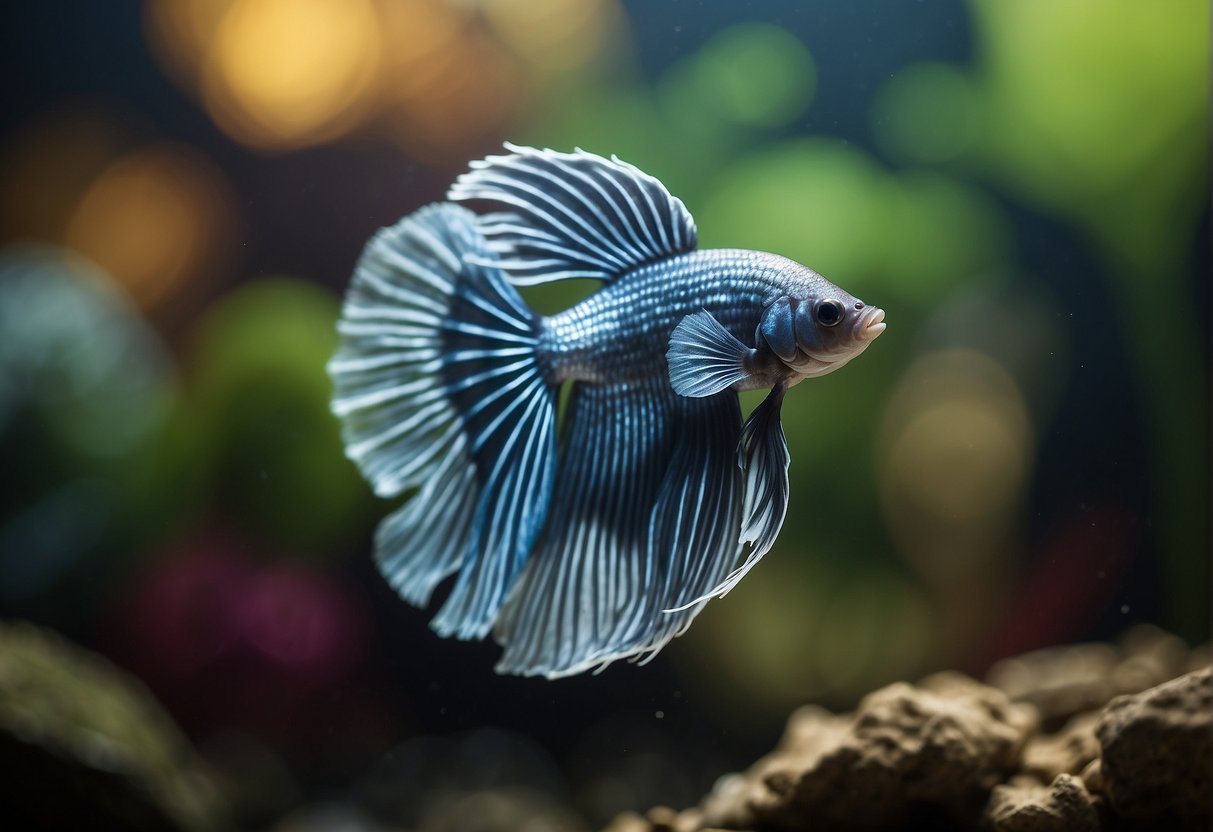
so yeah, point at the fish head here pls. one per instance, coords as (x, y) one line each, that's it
(816, 331)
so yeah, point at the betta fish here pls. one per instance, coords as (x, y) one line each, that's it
(598, 534)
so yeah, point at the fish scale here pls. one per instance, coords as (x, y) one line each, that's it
(622, 332)
(603, 540)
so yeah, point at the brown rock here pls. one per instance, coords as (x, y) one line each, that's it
(811, 732)
(943, 744)
(953, 753)
(948, 737)
(69, 717)
(1156, 753)
(1064, 681)
(1068, 751)
(662, 819)
(1063, 806)
(728, 804)
(628, 822)
(1092, 777)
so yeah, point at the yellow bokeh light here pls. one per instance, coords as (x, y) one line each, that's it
(179, 33)
(287, 73)
(419, 37)
(470, 97)
(153, 219)
(960, 459)
(958, 444)
(553, 35)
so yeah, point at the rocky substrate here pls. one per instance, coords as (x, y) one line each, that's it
(1090, 737)
(84, 746)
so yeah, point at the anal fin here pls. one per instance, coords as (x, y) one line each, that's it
(645, 516)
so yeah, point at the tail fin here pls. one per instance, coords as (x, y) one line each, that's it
(437, 386)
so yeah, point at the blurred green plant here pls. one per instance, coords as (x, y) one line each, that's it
(1111, 101)
(750, 75)
(263, 441)
(927, 113)
(85, 390)
(1097, 112)
(86, 746)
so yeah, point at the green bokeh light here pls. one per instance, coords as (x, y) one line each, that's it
(928, 113)
(813, 200)
(754, 74)
(259, 395)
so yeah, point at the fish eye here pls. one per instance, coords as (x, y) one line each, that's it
(829, 312)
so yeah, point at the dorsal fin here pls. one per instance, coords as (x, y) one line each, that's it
(573, 215)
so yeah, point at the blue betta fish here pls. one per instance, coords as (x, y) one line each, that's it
(604, 539)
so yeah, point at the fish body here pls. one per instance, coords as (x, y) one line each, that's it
(603, 540)
(622, 332)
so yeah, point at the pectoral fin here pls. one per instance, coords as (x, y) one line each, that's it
(704, 357)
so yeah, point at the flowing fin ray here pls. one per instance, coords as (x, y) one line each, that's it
(704, 358)
(573, 215)
(646, 516)
(437, 384)
(762, 453)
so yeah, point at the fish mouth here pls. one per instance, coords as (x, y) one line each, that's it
(871, 324)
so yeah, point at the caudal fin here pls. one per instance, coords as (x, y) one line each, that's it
(438, 388)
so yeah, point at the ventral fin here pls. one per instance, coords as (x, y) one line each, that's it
(573, 215)
(762, 454)
(704, 357)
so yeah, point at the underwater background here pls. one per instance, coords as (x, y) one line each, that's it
(1021, 460)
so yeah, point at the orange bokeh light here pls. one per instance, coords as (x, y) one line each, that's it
(153, 219)
(442, 76)
(46, 164)
(282, 73)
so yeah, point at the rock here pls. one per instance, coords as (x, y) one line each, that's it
(657, 819)
(70, 718)
(1156, 756)
(1068, 751)
(1092, 777)
(1064, 681)
(950, 736)
(727, 806)
(1063, 806)
(811, 732)
(628, 822)
(952, 753)
(943, 744)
